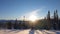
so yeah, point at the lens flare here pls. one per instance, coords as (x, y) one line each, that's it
(32, 18)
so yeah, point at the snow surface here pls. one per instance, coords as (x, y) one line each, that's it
(28, 31)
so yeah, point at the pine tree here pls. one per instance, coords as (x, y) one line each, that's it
(48, 20)
(9, 25)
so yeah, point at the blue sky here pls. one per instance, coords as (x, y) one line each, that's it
(12, 9)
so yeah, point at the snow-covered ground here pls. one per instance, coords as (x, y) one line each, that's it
(28, 31)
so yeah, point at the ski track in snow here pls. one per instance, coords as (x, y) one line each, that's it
(28, 31)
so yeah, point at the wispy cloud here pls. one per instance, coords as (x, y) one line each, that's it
(33, 12)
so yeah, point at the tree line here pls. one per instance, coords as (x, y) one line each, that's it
(46, 23)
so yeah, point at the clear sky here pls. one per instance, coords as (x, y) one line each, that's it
(12, 9)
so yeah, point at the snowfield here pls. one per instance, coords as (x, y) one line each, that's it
(28, 31)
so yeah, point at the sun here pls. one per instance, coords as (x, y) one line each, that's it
(32, 18)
